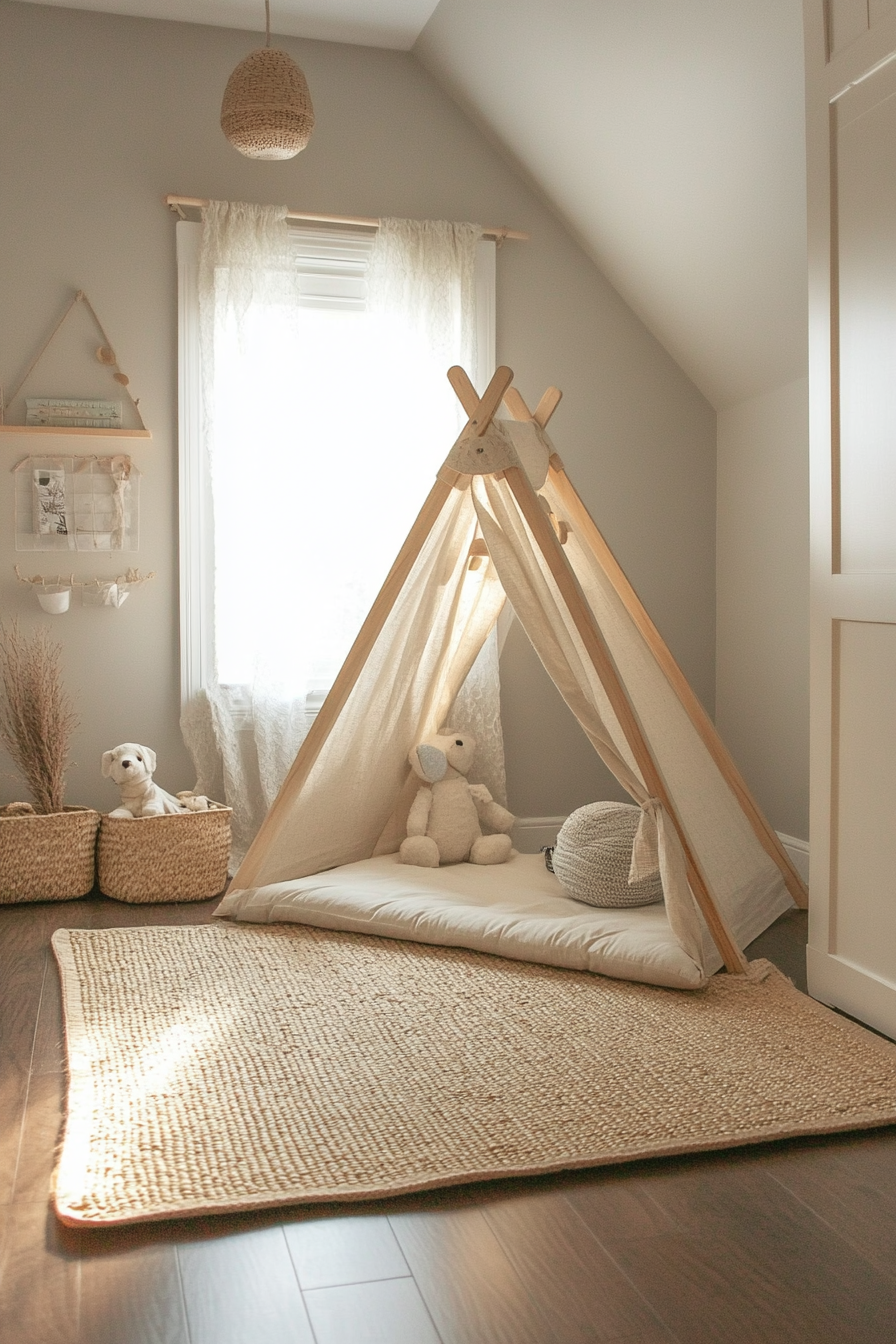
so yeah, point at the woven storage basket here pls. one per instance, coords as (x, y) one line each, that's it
(267, 112)
(49, 857)
(153, 860)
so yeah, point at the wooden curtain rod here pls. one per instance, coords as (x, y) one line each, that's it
(177, 202)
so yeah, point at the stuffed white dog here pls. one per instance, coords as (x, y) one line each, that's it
(444, 821)
(131, 767)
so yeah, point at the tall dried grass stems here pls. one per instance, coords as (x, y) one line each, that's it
(37, 715)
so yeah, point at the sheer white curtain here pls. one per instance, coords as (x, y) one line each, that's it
(323, 430)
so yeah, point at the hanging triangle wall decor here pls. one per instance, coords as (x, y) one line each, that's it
(71, 415)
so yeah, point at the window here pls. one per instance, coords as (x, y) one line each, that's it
(330, 426)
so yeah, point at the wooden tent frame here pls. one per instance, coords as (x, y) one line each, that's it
(480, 412)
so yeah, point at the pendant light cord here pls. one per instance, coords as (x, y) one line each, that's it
(267, 22)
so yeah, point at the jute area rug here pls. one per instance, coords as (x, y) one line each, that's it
(219, 1068)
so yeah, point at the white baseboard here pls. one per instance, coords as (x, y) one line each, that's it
(798, 853)
(530, 833)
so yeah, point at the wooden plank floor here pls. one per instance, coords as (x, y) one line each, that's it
(791, 1243)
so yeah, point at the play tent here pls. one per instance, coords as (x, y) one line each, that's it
(503, 519)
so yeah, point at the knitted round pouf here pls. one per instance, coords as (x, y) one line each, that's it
(593, 855)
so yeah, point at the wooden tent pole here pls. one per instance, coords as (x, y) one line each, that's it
(589, 534)
(598, 652)
(516, 406)
(602, 660)
(547, 406)
(601, 657)
(481, 410)
(348, 675)
(480, 418)
(469, 399)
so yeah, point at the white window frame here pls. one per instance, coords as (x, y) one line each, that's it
(195, 512)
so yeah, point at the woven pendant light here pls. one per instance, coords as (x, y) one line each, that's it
(267, 112)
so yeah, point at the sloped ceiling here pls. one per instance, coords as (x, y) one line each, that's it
(668, 134)
(370, 23)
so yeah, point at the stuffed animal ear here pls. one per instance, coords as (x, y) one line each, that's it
(429, 763)
(149, 758)
(107, 763)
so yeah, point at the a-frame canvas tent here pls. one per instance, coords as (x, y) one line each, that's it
(503, 519)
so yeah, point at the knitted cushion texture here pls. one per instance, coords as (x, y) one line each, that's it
(593, 855)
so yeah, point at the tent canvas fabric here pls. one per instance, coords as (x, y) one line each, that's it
(503, 521)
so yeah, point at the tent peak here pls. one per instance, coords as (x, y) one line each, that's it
(513, 400)
(485, 446)
(481, 410)
(483, 454)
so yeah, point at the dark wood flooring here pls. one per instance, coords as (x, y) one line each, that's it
(790, 1243)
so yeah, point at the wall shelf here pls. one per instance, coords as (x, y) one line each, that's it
(106, 356)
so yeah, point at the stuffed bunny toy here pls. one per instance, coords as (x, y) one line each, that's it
(444, 821)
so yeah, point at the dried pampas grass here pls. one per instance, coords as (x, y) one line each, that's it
(37, 716)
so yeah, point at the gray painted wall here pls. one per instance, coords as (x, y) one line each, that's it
(762, 706)
(102, 116)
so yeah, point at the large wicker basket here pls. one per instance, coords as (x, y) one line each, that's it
(48, 857)
(180, 857)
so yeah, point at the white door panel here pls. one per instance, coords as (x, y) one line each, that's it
(865, 206)
(851, 149)
(863, 889)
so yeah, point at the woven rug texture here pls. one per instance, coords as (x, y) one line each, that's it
(218, 1068)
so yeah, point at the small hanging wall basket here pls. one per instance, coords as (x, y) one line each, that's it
(267, 112)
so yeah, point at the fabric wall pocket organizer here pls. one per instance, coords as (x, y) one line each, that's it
(104, 594)
(77, 503)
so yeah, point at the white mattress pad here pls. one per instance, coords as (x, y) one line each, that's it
(515, 909)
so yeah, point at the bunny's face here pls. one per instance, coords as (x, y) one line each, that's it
(432, 759)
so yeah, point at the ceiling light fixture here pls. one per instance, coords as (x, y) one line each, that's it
(267, 112)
